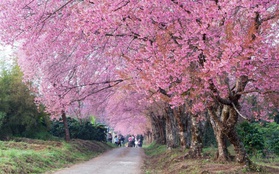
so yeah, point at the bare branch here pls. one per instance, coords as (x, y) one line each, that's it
(215, 94)
(162, 91)
(126, 3)
(60, 8)
(258, 91)
(99, 90)
(238, 112)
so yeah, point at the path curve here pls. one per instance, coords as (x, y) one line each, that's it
(122, 160)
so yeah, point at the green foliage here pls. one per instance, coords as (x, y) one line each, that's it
(19, 116)
(260, 138)
(270, 133)
(92, 120)
(2, 117)
(208, 137)
(155, 149)
(276, 118)
(79, 129)
(251, 137)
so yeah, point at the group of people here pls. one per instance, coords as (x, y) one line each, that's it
(134, 141)
(119, 140)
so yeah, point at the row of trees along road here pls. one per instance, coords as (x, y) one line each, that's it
(182, 59)
(21, 117)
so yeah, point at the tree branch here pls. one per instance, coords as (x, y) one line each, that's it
(162, 91)
(238, 112)
(216, 95)
(57, 10)
(258, 91)
(99, 90)
(126, 3)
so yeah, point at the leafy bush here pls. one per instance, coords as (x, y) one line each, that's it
(208, 137)
(270, 132)
(19, 115)
(260, 137)
(251, 137)
(79, 129)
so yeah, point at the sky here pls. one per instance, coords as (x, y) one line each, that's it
(6, 56)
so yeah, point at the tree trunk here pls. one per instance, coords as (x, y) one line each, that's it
(158, 128)
(66, 128)
(222, 153)
(241, 155)
(148, 137)
(172, 137)
(230, 131)
(178, 114)
(196, 141)
(169, 129)
(187, 127)
(224, 116)
(169, 136)
(225, 126)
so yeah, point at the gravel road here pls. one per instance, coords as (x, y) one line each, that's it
(122, 160)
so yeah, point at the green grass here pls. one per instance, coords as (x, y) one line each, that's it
(154, 149)
(161, 160)
(41, 156)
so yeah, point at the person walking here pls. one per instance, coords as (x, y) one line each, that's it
(116, 140)
(109, 137)
(136, 142)
(122, 140)
(130, 141)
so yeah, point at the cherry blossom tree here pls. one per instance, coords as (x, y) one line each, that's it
(212, 52)
(61, 76)
(123, 109)
(209, 53)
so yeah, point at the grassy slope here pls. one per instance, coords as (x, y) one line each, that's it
(159, 160)
(37, 156)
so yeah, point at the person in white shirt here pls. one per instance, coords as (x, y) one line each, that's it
(136, 143)
(116, 140)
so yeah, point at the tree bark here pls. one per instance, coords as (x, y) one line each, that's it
(241, 155)
(225, 126)
(196, 141)
(222, 153)
(148, 137)
(187, 127)
(66, 128)
(224, 117)
(172, 139)
(230, 132)
(178, 114)
(158, 128)
(169, 136)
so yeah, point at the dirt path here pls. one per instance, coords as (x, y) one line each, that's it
(122, 160)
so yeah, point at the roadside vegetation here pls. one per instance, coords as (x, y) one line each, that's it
(261, 141)
(160, 160)
(30, 142)
(23, 155)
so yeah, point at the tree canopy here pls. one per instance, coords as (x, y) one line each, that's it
(201, 52)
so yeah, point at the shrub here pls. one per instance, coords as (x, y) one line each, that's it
(260, 137)
(251, 137)
(270, 132)
(79, 130)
